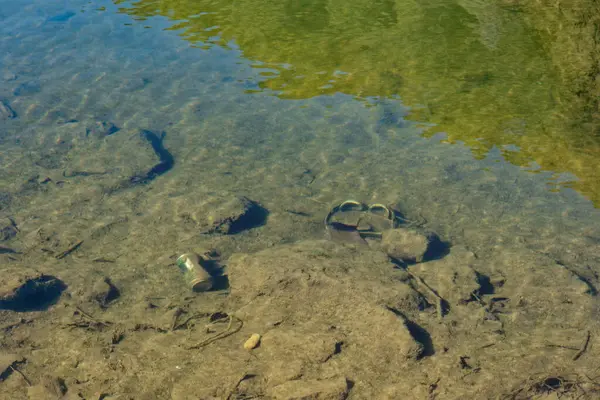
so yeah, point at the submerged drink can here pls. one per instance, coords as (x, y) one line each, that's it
(194, 273)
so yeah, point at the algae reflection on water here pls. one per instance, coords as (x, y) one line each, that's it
(479, 70)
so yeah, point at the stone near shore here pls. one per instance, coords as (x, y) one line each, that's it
(404, 245)
(252, 342)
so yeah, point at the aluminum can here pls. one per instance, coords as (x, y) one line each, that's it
(195, 275)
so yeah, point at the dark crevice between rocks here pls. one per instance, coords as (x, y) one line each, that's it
(423, 304)
(7, 250)
(591, 288)
(553, 384)
(338, 347)
(166, 162)
(220, 282)
(166, 159)
(417, 332)
(437, 248)
(10, 368)
(485, 288)
(444, 306)
(485, 284)
(255, 216)
(35, 294)
(215, 270)
(349, 384)
(108, 295)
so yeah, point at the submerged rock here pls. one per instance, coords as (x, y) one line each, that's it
(235, 215)
(405, 245)
(6, 112)
(454, 277)
(252, 342)
(9, 76)
(101, 129)
(103, 292)
(28, 290)
(49, 388)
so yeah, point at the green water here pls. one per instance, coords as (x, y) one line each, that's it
(474, 69)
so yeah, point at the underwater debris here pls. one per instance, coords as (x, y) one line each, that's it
(69, 250)
(363, 227)
(196, 275)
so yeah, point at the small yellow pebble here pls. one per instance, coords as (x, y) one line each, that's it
(252, 342)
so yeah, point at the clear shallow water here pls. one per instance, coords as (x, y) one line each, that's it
(476, 69)
(258, 94)
(238, 123)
